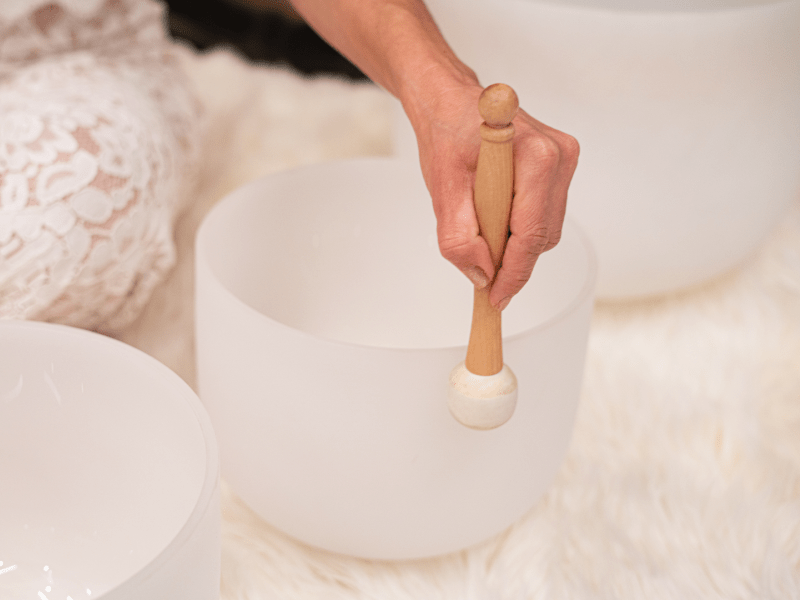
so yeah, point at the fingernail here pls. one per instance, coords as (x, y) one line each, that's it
(477, 276)
(501, 306)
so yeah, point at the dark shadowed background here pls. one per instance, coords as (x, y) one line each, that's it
(263, 30)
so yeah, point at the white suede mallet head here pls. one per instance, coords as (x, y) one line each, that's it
(482, 401)
(483, 391)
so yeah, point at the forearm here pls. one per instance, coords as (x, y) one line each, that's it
(394, 42)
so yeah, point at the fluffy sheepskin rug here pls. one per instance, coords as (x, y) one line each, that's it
(683, 477)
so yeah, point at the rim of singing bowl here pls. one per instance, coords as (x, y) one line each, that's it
(242, 193)
(149, 575)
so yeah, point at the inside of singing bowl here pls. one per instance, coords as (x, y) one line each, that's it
(327, 325)
(109, 472)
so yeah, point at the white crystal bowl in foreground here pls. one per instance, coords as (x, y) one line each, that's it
(687, 112)
(109, 485)
(327, 327)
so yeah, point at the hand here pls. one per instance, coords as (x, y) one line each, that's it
(446, 122)
(398, 45)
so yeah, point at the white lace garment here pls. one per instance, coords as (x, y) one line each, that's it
(98, 143)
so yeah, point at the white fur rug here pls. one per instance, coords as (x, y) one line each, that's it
(683, 478)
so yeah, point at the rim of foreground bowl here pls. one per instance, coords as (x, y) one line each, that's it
(241, 194)
(212, 466)
(635, 8)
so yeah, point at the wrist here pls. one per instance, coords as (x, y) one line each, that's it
(437, 92)
(441, 104)
(420, 68)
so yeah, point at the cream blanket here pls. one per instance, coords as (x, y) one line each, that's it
(683, 477)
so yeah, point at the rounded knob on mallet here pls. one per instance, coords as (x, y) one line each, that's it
(483, 391)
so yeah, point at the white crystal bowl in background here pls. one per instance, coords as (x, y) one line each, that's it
(327, 327)
(109, 485)
(688, 115)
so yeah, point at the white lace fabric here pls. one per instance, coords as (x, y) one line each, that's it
(98, 143)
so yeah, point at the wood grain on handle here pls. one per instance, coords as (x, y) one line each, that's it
(494, 188)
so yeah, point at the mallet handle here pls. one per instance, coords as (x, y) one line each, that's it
(494, 189)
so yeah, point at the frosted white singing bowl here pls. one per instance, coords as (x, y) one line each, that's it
(686, 112)
(109, 482)
(327, 327)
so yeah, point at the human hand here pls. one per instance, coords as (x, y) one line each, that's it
(446, 122)
(398, 45)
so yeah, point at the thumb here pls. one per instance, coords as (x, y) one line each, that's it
(461, 244)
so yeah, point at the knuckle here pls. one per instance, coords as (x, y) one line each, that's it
(540, 238)
(558, 150)
(571, 148)
(547, 151)
(536, 239)
(516, 278)
(553, 239)
(453, 247)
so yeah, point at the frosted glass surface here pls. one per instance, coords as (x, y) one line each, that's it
(686, 112)
(327, 326)
(106, 459)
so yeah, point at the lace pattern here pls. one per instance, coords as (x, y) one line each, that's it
(116, 27)
(98, 142)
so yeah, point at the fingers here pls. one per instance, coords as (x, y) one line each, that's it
(457, 225)
(545, 161)
(448, 147)
(470, 254)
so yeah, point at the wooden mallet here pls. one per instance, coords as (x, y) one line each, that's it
(483, 390)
